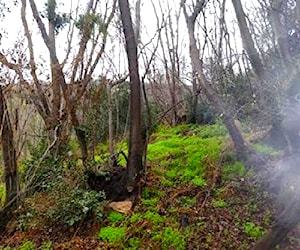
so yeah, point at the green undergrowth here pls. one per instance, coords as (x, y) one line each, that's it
(181, 153)
(190, 199)
(264, 149)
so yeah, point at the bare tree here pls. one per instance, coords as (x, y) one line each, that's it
(62, 103)
(197, 65)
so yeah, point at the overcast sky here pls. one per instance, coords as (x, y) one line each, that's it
(13, 26)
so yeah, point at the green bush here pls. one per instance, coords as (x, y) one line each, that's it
(77, 205)
(112, 234)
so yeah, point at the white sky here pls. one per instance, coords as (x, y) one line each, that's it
(13, 26)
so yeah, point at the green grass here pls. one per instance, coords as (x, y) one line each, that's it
(265, 149)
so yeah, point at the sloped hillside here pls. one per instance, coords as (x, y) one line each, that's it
(195, 196)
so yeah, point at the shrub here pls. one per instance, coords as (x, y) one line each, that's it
(77, 205)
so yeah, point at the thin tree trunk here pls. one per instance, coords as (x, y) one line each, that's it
(280, 33)
(110, 120)
(134, 165)
(12, 185)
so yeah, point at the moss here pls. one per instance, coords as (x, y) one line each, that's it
(172, 238)
(112, 234)
(154, 217)
(114, 217)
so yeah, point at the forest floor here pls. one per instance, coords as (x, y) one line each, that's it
(196, 196)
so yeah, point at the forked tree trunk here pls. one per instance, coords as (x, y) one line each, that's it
(12, 185)
(134, 165)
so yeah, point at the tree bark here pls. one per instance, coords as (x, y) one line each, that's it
(134, 165)
(12, 184)
(247, 40)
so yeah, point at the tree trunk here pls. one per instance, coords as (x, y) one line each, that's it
(134, 165)
(110, 121)
(286, 222)
(298, 12)
(227, 118)
(10, 165)
(195, 96)
(247, 40)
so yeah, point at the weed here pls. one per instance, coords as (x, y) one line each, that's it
(2, 194)
(136, 217)
(233, 170)
(134, 243)
(27, 245)
(188, 201)
(112, 234)
(172, 238)
(167, 183)
(46, 246)
(78, 205)
(171, 174)
(219, 204)
(154, 217)
(114, 217)
(199, 181)
(253, 230)
(150, 202)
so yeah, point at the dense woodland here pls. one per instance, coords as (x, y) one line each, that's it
(130, 124)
